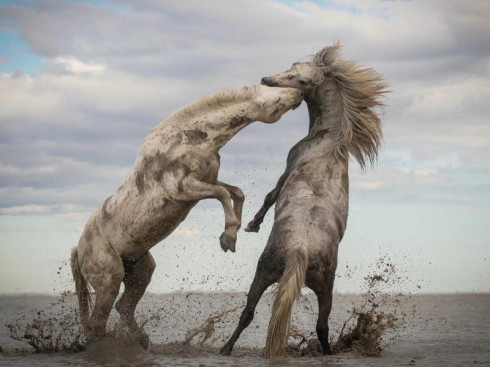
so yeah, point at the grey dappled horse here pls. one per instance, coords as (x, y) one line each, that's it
(312, 195)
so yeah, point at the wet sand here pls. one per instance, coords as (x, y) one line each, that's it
(449, 330)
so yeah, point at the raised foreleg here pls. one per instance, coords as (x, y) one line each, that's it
(238, 199)
(195, 190)
(270, 200)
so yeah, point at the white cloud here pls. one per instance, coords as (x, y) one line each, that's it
(376, 185)
(24, 97)
(10, 170)
(58, 172)
(419, 172)
(400, 179)
(74, 216)
(25, 209)
(467, 96)
(76, 66)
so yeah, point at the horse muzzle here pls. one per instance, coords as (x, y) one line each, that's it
(267, 81)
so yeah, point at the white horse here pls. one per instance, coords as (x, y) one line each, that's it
(313, 193)
(176, 167)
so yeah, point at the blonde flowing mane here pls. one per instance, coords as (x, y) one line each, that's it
(360, 133)
(218, 100)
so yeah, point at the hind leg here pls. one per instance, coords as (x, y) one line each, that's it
(325, 297)
(103, 269)
(263, 279)
(137, 276)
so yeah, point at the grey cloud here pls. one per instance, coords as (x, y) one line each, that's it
(76, 131)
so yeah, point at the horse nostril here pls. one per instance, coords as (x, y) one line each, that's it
(301, 94)
(264, 81)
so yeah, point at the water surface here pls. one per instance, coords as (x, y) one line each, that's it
(437, 330)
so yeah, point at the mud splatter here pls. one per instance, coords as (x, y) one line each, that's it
(364, 324)
(366, 337)
(50, 334)
(208, 327)
(379, 313)
(58, 330)
(303, 345)
(373, 324)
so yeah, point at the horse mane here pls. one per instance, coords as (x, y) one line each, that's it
(218, 99)
(361, 88)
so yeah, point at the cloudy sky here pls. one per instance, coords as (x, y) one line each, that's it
(83, 82)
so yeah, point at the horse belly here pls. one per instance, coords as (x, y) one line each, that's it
(141, 225)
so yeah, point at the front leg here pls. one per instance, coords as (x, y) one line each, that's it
(238, 199)
(195, 190)
(270, 200)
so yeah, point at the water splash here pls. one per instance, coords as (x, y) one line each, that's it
(58, 330)
(49, 333)
(208, 327)
(373, 324)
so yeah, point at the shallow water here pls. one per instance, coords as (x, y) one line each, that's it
(438, 330)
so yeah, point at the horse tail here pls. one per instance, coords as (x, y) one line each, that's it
(82, 290)
(289, 286)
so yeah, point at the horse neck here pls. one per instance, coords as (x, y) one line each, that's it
(222, 124)
(325, 108)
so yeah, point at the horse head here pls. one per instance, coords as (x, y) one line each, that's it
(304, 76)
(275, 102)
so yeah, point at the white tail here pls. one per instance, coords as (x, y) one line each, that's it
(289, 286)
(82, 289)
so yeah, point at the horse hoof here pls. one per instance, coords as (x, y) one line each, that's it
(103, 337)
(101, 343)
(144, 341)
(227, 242)
(225, 351)
(252, 227)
